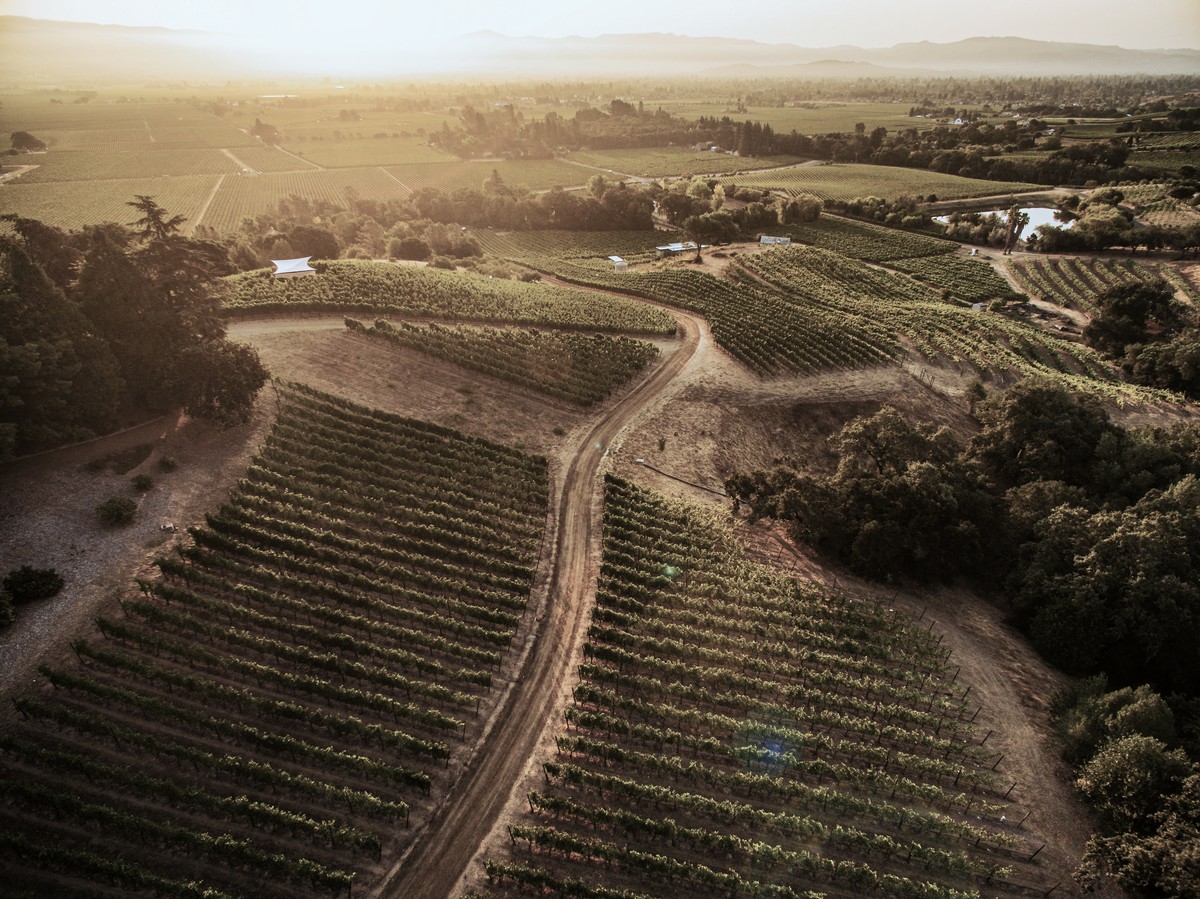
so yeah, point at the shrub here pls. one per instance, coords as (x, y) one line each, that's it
(116, 511)
(26, 584)
(142, 482)
(167, 463)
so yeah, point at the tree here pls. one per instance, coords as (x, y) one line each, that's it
(1130, 313)
(154, 221)
(218, 380)
(1125, 781)
(26, 142)
(116, 511)
(29, 584)
(1039, 431)
(1165, 861)
(58, 380)
(315, 241)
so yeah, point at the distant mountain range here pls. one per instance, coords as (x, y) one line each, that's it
(38, 51)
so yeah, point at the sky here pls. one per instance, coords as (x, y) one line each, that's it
(363, 27)
(865, 23)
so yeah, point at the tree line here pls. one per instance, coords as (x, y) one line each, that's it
(100, 323)
(1088, 534)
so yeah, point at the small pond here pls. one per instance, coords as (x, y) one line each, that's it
(1038, 215)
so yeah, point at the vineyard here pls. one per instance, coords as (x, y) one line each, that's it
(73, 204)
(961, 276)
(386, 289)
(1074, 282)
(534, 174)
(873, 301)
(662, 162)
(844, 182)
(579, 368)
(81, 165)
(738, 733)
(272, 714)
(247, 196)
(801, 309)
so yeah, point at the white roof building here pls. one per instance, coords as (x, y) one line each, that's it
(293, 268)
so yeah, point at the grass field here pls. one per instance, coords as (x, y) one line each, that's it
(831, 181)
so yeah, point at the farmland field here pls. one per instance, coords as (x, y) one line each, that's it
(814, 118)
(739, 733)
(1074, 282)
(661, 162)
(70, 204)
(295, 688)
(535, 174)
(88, 165)
(249, 195)
(384, 289)
(830, 181)
(579, 368)
(368, 150)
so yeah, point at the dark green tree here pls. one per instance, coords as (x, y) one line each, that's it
(217, 380)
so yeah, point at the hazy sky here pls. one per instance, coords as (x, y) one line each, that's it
(870, 23)
(343, 28)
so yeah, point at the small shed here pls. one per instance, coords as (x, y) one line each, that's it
(293, 268)
(674, 249)
(619, 264)
(767, 240)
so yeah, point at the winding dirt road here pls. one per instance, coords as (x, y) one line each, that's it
(438, 859)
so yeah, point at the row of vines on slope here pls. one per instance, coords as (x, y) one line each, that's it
(579, 368)
(738, 732)
(268, 715)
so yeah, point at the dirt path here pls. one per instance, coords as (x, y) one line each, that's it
(442, 854)
(212, 194)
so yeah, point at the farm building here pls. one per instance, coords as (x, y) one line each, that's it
(767, 240)
(674, 249)
(293, 268)
(619, 264)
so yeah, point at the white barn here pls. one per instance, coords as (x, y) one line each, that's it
(619, 264)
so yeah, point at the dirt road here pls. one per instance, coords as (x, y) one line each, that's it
(438, 859)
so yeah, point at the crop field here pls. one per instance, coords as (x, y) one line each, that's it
(1074, 283)
(967, 278)
(578, 368)
(269, 715)
(661, 162)
(249, 195)
(384, 289)
(814, 118)
(802, 309)
(830, 181)
(534, 174)
(67, 204)
(367, 151)
(270, 160)
(735, 732)
(85, 165)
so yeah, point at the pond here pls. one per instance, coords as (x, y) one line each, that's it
(1038, 215)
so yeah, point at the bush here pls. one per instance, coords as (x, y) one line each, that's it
(142, 482)
(116, 512)
(26, 584)
(167, 464)
(443, 262)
